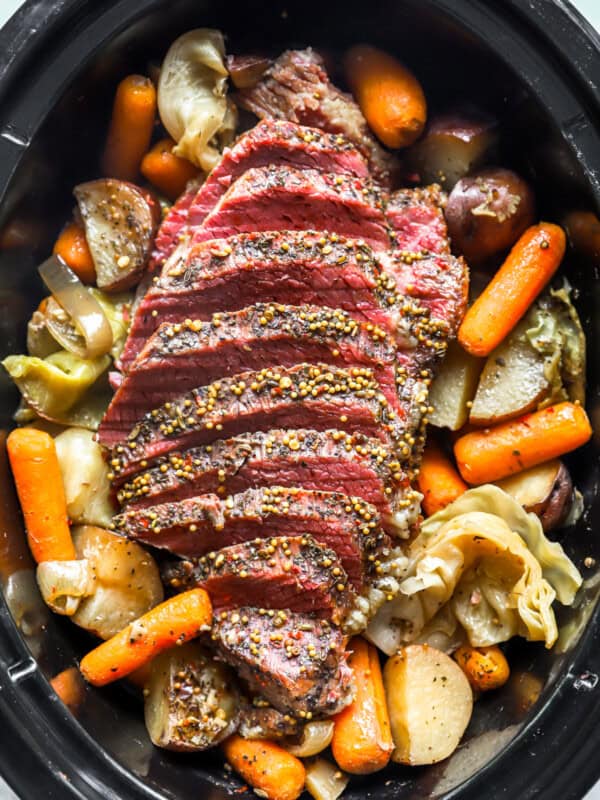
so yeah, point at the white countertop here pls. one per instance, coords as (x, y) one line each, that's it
(590, 8)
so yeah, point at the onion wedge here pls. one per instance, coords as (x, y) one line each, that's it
(86, 313)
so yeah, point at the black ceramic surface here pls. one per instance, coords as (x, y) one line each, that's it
(535, 64)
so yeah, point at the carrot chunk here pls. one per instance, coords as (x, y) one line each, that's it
(172, 622)
(529, 266)
(362, 739)
(438, 481)
(168, 172)
(267, 767)
(69, 686)
(39, 484)
(131, 126)
(494, 453)
(485, 667)
(389, 95)
(72, 247)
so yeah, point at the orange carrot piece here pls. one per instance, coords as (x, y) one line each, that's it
(485, 667)
(277, 774)
(362, 739)
(172, 622)
(389, 95)
(131, 126)
(529, 266)
(69, 686)
(168, 172)
(438, 480)
(72, 247)
(494, 453)
(14, 553)
(38, 479)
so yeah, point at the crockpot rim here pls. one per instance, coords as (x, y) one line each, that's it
(36, 724)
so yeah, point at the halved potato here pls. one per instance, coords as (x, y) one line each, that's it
(546, 490)
(454, 386)
(513, 381)
(453, 144)
(120, 221)
(430, 704)
(191, 702)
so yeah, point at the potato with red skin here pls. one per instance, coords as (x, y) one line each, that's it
(487, 212)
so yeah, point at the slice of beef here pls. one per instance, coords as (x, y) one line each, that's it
(329, 461)
(282, 572)
(295, 661)
(282, 198)
(259, 720)
(180, 357)
(193, 527)
(292, 267)
(277, 142)
(173, 227)
(297, 88)
(305, 396)
(417, 217)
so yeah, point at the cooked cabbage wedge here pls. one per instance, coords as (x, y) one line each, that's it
(53, 385)
(481, 571)
(192, 97)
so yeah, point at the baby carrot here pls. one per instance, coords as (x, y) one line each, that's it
(389, 95)
(438, 480)
(38, 479)
(172, 622)
(529, 266)
(267, 767)
(14, 553)
(72, 247)
(362, 739)
(131, 125)
(485, 667)
(493, 453)
(69, 686)
(168, 172)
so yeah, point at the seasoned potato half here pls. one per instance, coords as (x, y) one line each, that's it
(454, 386)
(547, 490)
(120, 221)
(512, 383)
(430, 704)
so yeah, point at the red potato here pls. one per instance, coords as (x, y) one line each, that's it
(453, 144)
(120, 221)
(487, 212)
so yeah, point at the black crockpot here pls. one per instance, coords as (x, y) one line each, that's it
(535, 64)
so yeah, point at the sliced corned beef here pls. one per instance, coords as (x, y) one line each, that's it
(277, 142)
(281, 572)
(297, 88)
(305, 396)
(292, 267)
(329, 461)
(417, 218)
(282, 198)
(186, 355)
(172, 228)
(195, 526)
(295, 661)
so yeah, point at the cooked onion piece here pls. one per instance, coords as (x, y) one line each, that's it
(64, 583)
(316, 736)
(82, 307)
(192, 98)
(324, 781)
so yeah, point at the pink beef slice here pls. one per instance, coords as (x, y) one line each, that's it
(198, 525)
(294, 573)
(180, 357)
(304, 396)
(297, 88)
(329, 461)
(282, 198)
(295, 661)
(282, 143)
(421, 262)
(292, 267)
(269, 142)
